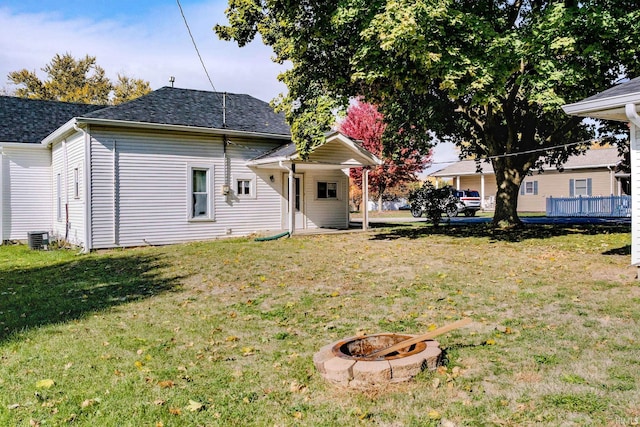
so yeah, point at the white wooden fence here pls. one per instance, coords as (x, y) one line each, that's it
(591, 206)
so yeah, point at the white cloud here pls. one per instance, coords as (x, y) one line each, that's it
(154, 48)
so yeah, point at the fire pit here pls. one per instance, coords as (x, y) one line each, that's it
(346, 362)
(381, 358)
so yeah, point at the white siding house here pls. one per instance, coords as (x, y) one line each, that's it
(620, 103)
(26, 180)
(176, 166)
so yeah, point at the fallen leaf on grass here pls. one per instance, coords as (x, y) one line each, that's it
(175, 411)
(34, 423)
(194, 406)
(89, 402)
(48, 383)
(166, 384)
(159, 402)
(434, 415)
(13, 406)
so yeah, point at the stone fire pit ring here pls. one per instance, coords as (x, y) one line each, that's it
(345, 363)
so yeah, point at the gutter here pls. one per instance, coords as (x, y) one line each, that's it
(84, 121)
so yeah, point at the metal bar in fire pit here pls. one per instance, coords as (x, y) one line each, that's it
(411, 341)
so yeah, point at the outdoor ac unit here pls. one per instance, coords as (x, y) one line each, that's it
(38, 239)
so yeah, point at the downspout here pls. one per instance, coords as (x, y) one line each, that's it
(611, 179)
(65, 168)
(86, 189)
(632, 114)
(1, 195)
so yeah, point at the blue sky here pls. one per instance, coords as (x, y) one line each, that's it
(145, 39)
(139, 38)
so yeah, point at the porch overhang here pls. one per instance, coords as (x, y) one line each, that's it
(338, 152)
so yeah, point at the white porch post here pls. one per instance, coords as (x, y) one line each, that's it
(292, 201)
(482, 191)
(365, 198)
(458, 182)
(634, 118)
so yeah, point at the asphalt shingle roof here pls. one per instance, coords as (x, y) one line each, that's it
(31, 120)
(631, 86)
(592, 158)
(174, 106)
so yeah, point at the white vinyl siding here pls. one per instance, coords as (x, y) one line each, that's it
(26, 191)
(331, 212)
(140, 194)
(69, 166)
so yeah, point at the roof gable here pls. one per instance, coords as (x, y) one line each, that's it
(338, 151)
(31, 120)
(194, 108)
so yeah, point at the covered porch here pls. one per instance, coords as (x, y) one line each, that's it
(319, 183)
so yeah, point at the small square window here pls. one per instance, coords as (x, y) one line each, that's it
(243, 187)
(327, 190)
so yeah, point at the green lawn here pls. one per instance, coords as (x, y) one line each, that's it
(223, 333)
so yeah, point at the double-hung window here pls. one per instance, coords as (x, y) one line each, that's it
(200, 192)
(529, 188)
(580, 187)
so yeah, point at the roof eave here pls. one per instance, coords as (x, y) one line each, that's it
(83, 121)
(611, 108)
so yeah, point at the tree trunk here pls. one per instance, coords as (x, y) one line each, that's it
(380, 203)
(508, 178)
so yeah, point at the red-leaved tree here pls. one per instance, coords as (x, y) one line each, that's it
(365, 124)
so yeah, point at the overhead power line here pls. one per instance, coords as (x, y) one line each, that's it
(195, 46)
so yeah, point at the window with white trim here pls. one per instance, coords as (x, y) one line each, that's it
(580, 187)
(200, 192)
(245, 185)
(59, 197)
(530, 187)
(327, 190)
(76, 183)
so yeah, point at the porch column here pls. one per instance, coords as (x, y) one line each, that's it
(482, 191)
(365, 198)
(292, 201)
(458, 182)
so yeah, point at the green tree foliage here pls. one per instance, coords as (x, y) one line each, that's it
(76, 80)
(488, 75)
(127, 88)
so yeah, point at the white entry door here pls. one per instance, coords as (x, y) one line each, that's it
(300, 220)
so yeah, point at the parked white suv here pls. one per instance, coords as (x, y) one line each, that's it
(469, 202)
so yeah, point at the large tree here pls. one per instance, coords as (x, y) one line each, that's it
(489, 75)
(364, 123)
(76, 80)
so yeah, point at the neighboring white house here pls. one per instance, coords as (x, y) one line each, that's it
(173, 166)
(620, 103)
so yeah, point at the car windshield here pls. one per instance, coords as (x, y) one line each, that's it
(473, 194)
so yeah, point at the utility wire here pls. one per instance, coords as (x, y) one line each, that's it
(195, 45)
